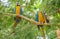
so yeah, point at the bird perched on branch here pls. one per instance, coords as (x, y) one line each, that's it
(41, 19)
(18, 11)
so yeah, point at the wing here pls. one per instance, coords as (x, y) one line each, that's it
(21, 12)
(46, 18)
(14, 10)
(36, 17)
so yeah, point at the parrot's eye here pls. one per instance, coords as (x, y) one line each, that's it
(18, 5)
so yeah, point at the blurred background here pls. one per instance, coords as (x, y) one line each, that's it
(25, 29)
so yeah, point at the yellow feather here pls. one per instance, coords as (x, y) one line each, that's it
(41, 18)
(18, 10)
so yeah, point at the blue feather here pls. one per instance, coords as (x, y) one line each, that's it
(14, 10)
(21, 12)
(36, 17)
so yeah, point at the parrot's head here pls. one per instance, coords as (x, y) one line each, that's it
(44, 13)
(17, 4)
(41, 13)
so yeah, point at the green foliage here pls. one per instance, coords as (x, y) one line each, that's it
(26, 30)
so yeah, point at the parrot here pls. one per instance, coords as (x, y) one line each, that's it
(18, 11)
(41, 18)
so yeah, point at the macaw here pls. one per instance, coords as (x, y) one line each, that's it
(18, 11)
(41, 18)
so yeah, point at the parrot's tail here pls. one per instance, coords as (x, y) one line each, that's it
(39, 26)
